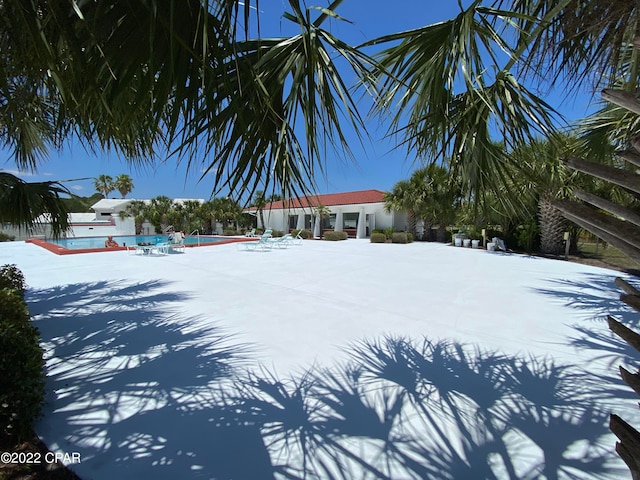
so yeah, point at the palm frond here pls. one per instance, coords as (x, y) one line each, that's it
(30, 204)
(275, 111)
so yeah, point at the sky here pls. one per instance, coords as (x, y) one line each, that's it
(378, 164)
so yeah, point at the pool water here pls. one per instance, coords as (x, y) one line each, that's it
(124, 240)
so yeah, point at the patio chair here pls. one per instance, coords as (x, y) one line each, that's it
(251, 233)
(263, 243)
(281, 242)
(297, 240)
(176, 243)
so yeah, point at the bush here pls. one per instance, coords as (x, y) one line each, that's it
(334, 236)
(388, 232)
(277, 233)
(12, 278)
(399, 237)
(229, 232)
(21, 363)
(409, 237)
(5, 237)
(306, 234)
(378, 237)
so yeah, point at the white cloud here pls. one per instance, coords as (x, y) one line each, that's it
(18, 173)
(77, 187)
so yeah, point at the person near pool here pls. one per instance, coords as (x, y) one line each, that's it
(110, 242)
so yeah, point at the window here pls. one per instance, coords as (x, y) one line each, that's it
(350, 220)
(329, 222)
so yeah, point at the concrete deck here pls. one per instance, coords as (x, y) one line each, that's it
(329, 360)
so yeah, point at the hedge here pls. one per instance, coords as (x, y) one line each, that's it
(303, 233)
(333, 236)
(378, 237)
(399, 237)
(21, 363)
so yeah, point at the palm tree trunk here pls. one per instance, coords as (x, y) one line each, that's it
(552, 226)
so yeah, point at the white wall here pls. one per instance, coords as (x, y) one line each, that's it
(276, 219)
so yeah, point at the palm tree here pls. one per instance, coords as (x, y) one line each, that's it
(123, 184)
(546, 178)
(159, 212)
(447, 86)
(259, 202)
(139, 210)
(321, 212)
(402, 198)
(429, 195)
(104, 184)
(225, 210)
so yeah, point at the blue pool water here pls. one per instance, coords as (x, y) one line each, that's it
(98, 242)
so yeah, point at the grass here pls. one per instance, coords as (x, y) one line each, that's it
(608, 255)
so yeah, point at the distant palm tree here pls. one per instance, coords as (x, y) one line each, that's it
(429, 195)
(159, 212)
(139, 210)
(402, 198)
(258, 202)
(226, 210)
(124, 184)
(104, 185)
(321, 213)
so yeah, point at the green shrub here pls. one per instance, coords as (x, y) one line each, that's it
(12, 278)
(388, 232)
(409, 237)
(378, 237)
(21, 365)
(229, 232)
(277, 233)
(334, 236)
(5, 237)
(303, 233)
(399, 237)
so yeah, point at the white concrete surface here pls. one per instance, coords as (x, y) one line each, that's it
(329, 360)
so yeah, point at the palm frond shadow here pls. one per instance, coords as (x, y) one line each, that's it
(593, 292)
(597, 293)
(400, 409)
(134, 382)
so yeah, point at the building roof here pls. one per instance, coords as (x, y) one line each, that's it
(111, 204)
(121, 203)
(328, 200)
(85, 218)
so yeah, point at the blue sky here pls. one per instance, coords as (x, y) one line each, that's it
(378, 165)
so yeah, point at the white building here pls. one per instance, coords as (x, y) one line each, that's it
(105, 220)
(357, 213)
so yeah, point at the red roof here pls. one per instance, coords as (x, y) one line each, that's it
(329, 199)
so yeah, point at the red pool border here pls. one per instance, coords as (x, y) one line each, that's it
(58, 250)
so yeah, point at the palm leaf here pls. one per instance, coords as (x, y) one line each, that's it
(270, 118)
(28, 205)
(447, 98)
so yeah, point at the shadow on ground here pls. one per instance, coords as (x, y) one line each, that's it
(143, 390)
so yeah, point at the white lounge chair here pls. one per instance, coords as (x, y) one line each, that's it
(263, 243)
(281, 242)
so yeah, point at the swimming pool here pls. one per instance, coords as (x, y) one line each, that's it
(80, 243)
